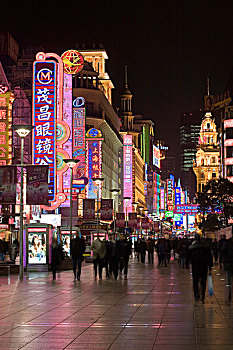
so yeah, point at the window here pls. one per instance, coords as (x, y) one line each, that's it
(214, 175)
(230, 152)
(213, 160)
(229, 133)
(208, 125)
(229, 170)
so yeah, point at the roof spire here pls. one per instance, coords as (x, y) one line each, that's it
(126, 77)
(208, 86)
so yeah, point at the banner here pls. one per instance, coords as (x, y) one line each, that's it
(156, 226)
(37, 184)
(8, 179)
(145, 223)
(132, 220)
(89, 209)
(120, 220)
(106, 209)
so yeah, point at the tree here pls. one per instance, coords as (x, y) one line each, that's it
(216, 198)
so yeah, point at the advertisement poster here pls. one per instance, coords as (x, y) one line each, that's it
(106, 209)
(66, 243)
(89, 209)
(36, 248)
(133, 221)
(37, 184)
(8, 179)
(120, 220)
(145, 223)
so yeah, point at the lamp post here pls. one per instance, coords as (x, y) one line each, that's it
(71, 164)
(98, 181)
(126, 199)
(135, 204)
(22, 131)
(114, 192)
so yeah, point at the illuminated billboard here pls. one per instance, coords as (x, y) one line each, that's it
(73, 61)
(162, 198)
(79, 116)
(169, 194)
(44, 119)
(128, 170)
(156, 156)
(6, 100)
(177, 195)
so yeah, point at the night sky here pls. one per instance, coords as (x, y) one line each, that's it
(168, 45)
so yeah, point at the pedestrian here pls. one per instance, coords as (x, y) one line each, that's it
(98, 248)
(183, 252)
(161, 251)
(110, 256)
(2, 250)
(215, 250)
(77, 250)
(201, 259)
(227, 251)
(57, 256)
(220, 245)
(151, 248)
(143, 246)
(123, 251)
(14, 250)
(137, 248)
(168, 248)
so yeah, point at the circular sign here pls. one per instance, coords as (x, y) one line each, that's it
(73, 61)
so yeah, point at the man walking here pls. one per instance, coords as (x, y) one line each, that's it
(201, 259)
(78, 248)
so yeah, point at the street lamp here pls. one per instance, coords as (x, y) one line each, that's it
(140, 209)
(135, 204)
(22, 131)
(126, 199)
(98, 181)
(71, 164)
(114, 192)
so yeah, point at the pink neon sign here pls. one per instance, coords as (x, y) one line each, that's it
(228, 143)
(228, 123)
(128, 170)
(228, 161)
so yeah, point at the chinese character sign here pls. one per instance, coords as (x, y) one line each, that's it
(170, 194)
(106, 209)
(6, 100)
(177, 195)
(93, 166)
(128, 170)
(8, 179)
(44, 119)
(162, 198)
(79, 115)
(37, 184)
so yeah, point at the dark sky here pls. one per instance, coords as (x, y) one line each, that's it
(168, 45)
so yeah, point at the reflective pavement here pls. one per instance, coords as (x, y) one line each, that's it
(153, 309)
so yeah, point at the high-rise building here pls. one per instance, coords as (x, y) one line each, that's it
(189, 135)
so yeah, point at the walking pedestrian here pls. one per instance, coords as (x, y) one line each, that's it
(123, 251)
(201, 259)
(78, 248)
(110, 256)
(151, 248)
(227, 251)
(57, 256)
(220, 245)
(215, 250)
(98, 248)
(143, 246)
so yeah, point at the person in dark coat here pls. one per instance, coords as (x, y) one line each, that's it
(110, 256)
(78, 248)
(162, 251)
(227, 252)
(57, 256)
(143, 250)
(220, 245)
(123, 251)
(151, 248)
(215, 250)
(201, 259)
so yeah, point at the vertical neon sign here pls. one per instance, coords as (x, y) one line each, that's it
(169, 194)
(128, 170)
(162, 198)
(94, 161)
(44, 119)
(6, 100)
(79, 117)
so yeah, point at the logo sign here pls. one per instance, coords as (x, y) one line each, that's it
(169, 214)
(73, 61)
(79, 102)
(3, 89)
(128, 170)
(44, 119)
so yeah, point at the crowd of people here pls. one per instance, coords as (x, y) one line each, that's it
(11, 250)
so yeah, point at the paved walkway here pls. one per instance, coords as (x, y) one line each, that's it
(153, 309)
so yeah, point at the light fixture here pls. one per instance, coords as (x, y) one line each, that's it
(98, 180)
(114, 191)
(22, 130)
(71, 162)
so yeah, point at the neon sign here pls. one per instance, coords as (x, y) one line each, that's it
(156, 156)
(228, 123)
(73, 61)
(6, 100)
(128, 170)
(177, 195)
(79, 117)
(3, 89)
(162, 198)
(44, 119)
(170, 194)
(94, 166)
